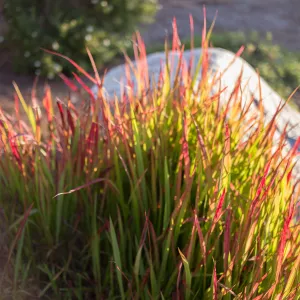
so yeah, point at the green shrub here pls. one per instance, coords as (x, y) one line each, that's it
(68, 27)
(163, 199)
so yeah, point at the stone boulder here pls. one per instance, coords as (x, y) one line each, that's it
(226, 64)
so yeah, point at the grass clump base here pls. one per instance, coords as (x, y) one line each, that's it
(160, 197)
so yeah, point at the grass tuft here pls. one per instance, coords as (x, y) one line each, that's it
(153, 196)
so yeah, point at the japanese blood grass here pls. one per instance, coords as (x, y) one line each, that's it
(161, 199)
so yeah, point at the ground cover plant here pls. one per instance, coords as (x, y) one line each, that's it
(151, 196)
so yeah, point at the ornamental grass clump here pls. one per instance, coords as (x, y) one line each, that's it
(155, 195)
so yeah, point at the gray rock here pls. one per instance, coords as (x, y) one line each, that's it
(220, 60)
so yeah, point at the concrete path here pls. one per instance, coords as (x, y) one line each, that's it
(280, 17)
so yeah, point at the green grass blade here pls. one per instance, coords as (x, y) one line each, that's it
(188, 275)
(167, 198)
(117, 257)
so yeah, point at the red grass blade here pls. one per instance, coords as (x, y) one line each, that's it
(240, 51)
(215, 283)
(61, 111)
(47, 101)
(93, 138)
(219, 207)
(256, 285)
(204, 28)
(15, 151)
(84, 86)
(295, 147)
(69, 83)
(192, 31)
(87, 185)
(283, 239)
(176, 41)
(70, 121)
(94, 67)
(81, 70)
(17, 110)
(259, 190)
(201, 238)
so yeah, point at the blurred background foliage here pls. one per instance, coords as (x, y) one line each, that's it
(106, 27)
(69, 27)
